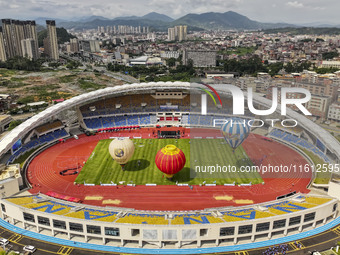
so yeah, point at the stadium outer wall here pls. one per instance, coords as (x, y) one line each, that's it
(196, 233)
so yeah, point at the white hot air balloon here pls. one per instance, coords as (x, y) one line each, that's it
(121, 150)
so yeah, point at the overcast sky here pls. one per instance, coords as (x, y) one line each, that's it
(289, 11)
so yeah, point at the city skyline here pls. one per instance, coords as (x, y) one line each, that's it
(288, 11)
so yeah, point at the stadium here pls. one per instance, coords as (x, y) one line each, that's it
(70, 191)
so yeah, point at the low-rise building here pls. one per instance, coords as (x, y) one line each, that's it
(200, 58)
(334, 112)
(170, 54)
(5, 120)
(10, 180)
(319, 105)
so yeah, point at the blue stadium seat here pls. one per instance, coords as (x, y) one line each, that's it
(300, 142)
(46, 138)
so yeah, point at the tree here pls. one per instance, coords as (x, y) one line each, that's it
(297, 67)
(22, 63)
(329, 55)
(249, 66)
(14, 124)
(2, 252)
(72, 65)
(289, 68)
(54, 64)
(171, 62)
(324, 70)
(275, 68)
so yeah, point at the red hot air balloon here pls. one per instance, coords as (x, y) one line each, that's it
(170, 160)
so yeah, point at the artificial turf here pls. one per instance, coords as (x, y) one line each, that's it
(101, 168)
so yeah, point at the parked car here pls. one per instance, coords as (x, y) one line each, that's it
(3, 241)
(29, 248)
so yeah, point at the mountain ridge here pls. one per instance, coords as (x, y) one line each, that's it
(205, 21)
(229, 20)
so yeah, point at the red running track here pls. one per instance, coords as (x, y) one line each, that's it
(43, 174)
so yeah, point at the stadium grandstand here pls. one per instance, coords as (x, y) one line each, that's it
(54, 146)
(226, 225)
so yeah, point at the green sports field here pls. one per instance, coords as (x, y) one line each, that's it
(101, 168)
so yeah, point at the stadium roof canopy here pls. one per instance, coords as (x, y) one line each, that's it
(17, 133)
(8, 141)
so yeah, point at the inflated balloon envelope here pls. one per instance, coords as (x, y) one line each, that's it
(170, 160)
(235, 131)
(121, 150)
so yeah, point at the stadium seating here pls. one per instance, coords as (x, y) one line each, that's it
(21, 200)
(205, 120)
(316, 200)
(49, 205)
(132, 104)
(107, 122)
(133, 120)
(228, 218)
(247, 214)
(94, 123)
(145, 120)
(41, 140)
(49, 126)
(90, 214)
(260, 214)
(185, 119)
(197, 218)
(298, 141)
(119, 121)
(193, 119)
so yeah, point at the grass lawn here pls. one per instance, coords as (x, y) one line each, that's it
(89, 85)
(67, 78)
(101, 168)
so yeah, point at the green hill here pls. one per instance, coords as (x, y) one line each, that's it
(62, 34)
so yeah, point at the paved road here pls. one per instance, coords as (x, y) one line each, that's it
(115, 75)
(321, 241)
(17, 242)
(118, 76)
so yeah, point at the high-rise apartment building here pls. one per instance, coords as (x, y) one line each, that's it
(30, 31)
(90, 46)
(74, 45)
(171, 34)
(53, 52)
(28, 48)
(14, 31)
(8, 33)
(19, 35)
(2, 47)
(177, 33)
(185, 32)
